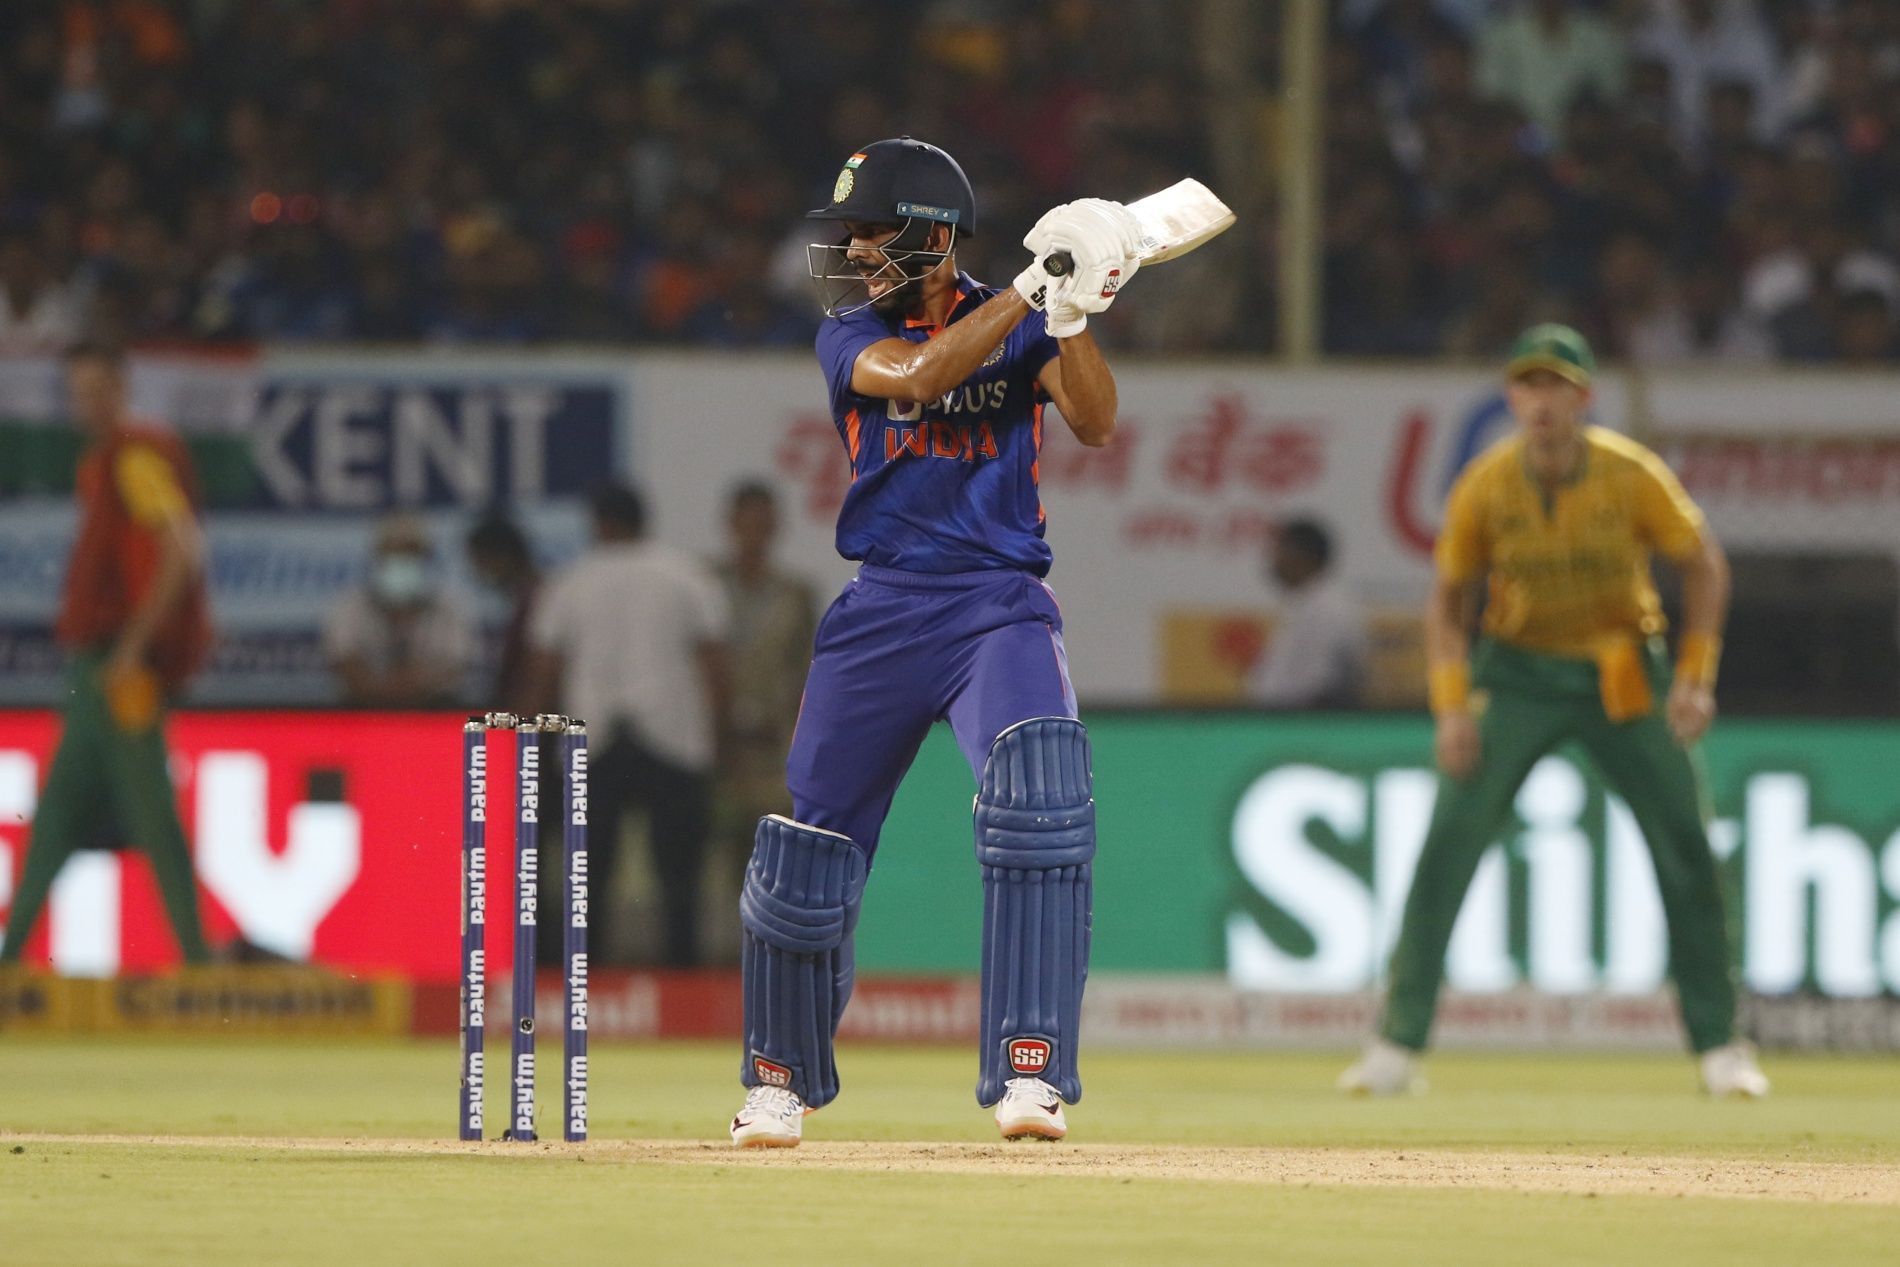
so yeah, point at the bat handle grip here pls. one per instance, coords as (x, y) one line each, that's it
(1058, 264)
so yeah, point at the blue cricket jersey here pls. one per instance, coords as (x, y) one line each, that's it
(946, 485)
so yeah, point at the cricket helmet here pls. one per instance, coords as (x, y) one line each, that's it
(904, 182)
(899, 180)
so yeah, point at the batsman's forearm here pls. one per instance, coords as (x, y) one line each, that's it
(939, 365)
(1090, 387)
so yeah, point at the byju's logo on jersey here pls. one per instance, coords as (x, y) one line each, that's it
(1029, 1055)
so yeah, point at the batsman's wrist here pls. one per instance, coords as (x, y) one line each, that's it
(1033, 285)
(1066, 324)
(1698, 658)
(1448, 686)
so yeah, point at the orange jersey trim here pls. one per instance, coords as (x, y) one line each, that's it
(925, 323)
(1035, 466)
(851, 438)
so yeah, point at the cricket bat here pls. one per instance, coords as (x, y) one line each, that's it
(1173, 222)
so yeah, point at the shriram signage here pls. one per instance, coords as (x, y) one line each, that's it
(1279, 850)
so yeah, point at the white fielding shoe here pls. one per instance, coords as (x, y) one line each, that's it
(1030, 1109)
(1729, 1072)
(771, 1117)
(1385, 1068)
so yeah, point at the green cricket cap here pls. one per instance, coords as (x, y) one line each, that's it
(1552, 347)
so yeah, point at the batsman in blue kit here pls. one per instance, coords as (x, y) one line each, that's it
(937, 387)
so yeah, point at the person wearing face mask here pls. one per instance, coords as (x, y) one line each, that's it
(501, 558)
(398, 641)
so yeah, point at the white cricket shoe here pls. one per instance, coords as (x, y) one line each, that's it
(771, 1117)
(1730, 1072)
(1030, 1109)
(1385, 1068)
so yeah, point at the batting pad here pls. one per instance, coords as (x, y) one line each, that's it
(799, 907)
(1035, 838)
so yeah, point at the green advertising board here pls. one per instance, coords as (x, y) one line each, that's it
(1275, 849)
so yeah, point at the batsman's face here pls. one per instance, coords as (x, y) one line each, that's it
(1548, 406)
(865, 253)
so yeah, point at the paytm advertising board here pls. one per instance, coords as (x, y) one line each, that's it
(1272, 851)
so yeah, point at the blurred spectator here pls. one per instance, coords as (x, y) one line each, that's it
(398, 641)
(774, 615)
(1865, 334)
(38, 313)
(1541, 55)
(500, 557)
(632, 638)
(1713, 326)
(1318, 652)
(469, 171)
(1745, 181)
(1704, 42)
(476, 172)
(1796, 290)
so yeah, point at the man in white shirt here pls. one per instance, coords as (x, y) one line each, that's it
(1317, 658)
(631, 638)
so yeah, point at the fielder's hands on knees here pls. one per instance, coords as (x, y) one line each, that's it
(1690, 709)
(1456, 744)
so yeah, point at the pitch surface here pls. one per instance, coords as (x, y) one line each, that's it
(143, 1152)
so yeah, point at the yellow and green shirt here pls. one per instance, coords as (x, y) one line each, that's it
(1569, 570)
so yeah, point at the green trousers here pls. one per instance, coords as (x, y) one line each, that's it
(1536, 703)
(107, 789)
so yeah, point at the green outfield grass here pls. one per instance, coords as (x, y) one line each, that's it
(262, 1199)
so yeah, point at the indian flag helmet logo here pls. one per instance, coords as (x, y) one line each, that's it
(847, 178)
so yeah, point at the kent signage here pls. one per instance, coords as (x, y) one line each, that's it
(337, 444)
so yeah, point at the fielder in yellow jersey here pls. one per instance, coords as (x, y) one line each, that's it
(1555, 527)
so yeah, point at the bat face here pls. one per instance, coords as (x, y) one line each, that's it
(1178, 219)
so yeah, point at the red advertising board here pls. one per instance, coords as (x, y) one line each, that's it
(328, 836)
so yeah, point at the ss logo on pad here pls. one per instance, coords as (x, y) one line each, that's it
(1028, 1055)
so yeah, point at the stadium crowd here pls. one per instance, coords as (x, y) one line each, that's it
(1683, 179)
(1686, 179)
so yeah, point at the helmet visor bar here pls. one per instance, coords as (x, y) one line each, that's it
(846, 285)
